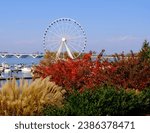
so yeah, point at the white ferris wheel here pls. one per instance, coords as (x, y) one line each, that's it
(65, 37)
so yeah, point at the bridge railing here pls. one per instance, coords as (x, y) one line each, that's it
(7, 55)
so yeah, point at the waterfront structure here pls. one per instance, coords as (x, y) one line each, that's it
(20, 55)
(65, 37)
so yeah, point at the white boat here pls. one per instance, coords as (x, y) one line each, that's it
(17, 67)
(7, 70)
(1, 69)
(5, 65)
(26, 69)
(1, 75)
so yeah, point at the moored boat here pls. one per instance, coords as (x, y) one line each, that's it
(7, 70)
(26, 69)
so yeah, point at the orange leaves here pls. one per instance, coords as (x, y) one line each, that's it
(78, 74)
(85, 73)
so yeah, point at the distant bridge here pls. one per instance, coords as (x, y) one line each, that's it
(18, 55)
(39, 55)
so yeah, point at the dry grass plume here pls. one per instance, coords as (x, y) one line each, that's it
(29, 99)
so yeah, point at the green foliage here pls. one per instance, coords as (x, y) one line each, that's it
(101, 101)
(144, 97)
(144, 54)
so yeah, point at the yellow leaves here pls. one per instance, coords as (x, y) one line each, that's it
(29, 98)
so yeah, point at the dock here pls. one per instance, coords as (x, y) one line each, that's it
(17, 78)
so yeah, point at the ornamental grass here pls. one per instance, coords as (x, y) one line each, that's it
(29, 98)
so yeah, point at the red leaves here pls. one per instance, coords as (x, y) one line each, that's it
(131, 73)
(87, 57)
(85, 73)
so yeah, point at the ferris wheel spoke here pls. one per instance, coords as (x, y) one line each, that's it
(74, 43)
(55, 29)
(53, 44)
(69, 28)
(59, 29)
(73, 28)
(54, 49)
(52, 40)
(76, 37)
(65, 28)
(74, 31)
(55, 34)
(76, 47)
(62, 28)
(72, 47)
(51, 37)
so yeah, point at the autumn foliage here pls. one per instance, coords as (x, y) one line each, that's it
(125, 72)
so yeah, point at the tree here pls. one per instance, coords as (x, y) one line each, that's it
(145, 51)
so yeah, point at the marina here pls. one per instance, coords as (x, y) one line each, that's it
(20, 71)
(17, 67)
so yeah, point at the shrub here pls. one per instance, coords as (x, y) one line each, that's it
(131, 73)
(144, 54)
(79, 74)
(29, 99)
(128, 73)
(101, 101)
(145, 100)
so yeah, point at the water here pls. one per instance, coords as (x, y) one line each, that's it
(27, 61)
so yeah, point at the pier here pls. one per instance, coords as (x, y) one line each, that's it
(17, 78)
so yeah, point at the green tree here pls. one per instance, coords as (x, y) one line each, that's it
(145, 51)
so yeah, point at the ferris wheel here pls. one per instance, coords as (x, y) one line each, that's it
(64, 37)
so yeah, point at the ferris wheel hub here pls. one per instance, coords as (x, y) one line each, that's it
(63, 39)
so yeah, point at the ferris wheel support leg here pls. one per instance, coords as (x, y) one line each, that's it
(59, 51)
(68, 51)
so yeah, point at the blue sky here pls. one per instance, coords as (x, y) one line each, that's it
(113, 25)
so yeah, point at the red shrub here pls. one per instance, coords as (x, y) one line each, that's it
(85, 73)
(76, 74)
(131, 73)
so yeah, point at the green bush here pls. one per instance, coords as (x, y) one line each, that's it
(144, 54)
(144, 97)
(103, 101)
